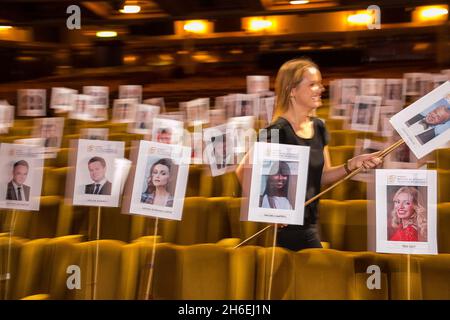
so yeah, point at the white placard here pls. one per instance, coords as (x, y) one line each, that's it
(219, 150)
(406, 211)
(6, 116)
(425, 124)
(21, 179)
(366, 113)
(81, 104)
(216, 117)
(31, 102)
(393, 92)
(196, 111)
(94, 133)
(97, 173)
(124, 110)
(278, 184)
(160, 180)
(364, 146)
(159, 101)
(143, 121)
(51, 130)
(100, 94)
(167, 131)
(256, 84)
(131, 92)
(62, 99)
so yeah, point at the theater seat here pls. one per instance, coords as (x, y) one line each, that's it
(355, 234)
(109, 266)
(9, 269)
(218, 225)
(435, 276)
(332, 215)
(443, 227)
(323, 274)
(282, 277)
(443, 185)
(192, 228)
(443, 158)
(364, 264)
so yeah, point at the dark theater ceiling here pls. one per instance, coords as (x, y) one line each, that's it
(52, 12)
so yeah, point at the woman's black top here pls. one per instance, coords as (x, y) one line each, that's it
(317, 143)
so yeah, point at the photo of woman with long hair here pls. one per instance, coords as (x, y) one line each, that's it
(408, 216)
(157, 192)
(275, 195)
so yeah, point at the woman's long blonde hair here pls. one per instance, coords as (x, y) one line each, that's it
(418, 219)
(288, 77)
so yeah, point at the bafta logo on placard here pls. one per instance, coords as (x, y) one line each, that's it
(392, 179)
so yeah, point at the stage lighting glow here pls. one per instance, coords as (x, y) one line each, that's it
(130, 9)
(106, 34)
(5, 28)
(258, 24)
(433, 12)
(299, 2)
(195, 26)
(360, 18)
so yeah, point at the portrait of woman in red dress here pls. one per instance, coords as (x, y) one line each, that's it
(408, 216)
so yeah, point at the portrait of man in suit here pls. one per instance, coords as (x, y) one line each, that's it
(430, 123)
(48, 132)
(97, 171)
(17, 190)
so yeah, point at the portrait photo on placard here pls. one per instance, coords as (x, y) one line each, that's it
(364, 146)
(219, 150)
(196, 111)
(143, 121)
(277, 184)
(256, 84)
(393, 92)
(366, 113)
(159, 101)
(31, 102)
(62, 100)
(247, 105)
(167, 131)
(6, 116)
(130, 92)
(124, 110)
(216, 117)
(94, 133)
(95, 172)
(49, 129)
(81, 103)
(406, 211)
(21, 179)
(160, 179)
(100, 94)
(425, 124)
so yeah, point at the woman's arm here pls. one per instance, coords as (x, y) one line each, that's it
(332, 174)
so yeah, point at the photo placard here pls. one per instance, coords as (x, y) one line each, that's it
(22, 168)
(406, 211)
(425, 124)
(97, 173)
(160, 179)
(278, 184)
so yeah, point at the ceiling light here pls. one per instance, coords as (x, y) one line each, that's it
(129, 8)
(106, 34)
(299, 1)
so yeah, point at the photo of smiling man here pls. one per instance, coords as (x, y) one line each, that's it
(97, 171)
(17, 190)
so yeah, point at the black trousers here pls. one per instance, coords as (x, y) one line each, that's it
(297, 238)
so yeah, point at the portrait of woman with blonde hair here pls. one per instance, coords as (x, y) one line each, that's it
(408, 216)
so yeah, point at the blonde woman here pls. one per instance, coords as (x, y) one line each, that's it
(408, 216)
(299, 88)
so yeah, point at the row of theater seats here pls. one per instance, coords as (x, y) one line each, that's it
(38, 269)
(343, 224)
